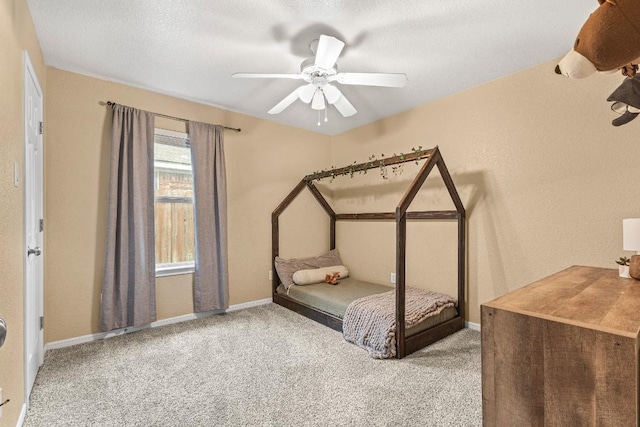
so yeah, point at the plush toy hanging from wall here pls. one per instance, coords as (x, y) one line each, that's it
(626, 100)
(608, 41)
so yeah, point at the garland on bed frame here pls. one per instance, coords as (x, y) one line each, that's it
(405, 345)
(396, 162)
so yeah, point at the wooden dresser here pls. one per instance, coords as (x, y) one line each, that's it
(563, 351)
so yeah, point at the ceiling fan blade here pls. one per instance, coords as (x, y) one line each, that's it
(372, 79)
(288, 100)
(332, 93)
(306, 92)
(297, 76)
(344, 106)
(318, 100)
(328, 50)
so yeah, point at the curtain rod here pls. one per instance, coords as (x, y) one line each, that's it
(111, 104)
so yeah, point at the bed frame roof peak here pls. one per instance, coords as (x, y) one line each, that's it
(434, 158)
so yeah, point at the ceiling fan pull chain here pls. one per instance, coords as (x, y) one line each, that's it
(318, 117)
(325, 115)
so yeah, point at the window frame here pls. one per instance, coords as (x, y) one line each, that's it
(183, 267)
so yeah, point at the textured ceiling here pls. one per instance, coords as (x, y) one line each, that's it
(190, 48)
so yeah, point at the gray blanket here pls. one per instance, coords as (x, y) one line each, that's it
(370, 322)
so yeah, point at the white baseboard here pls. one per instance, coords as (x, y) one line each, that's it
(23, 415)
(249, 304)
(471, 325)
(163, 322)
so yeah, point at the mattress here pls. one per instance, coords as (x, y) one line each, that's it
(334, 299)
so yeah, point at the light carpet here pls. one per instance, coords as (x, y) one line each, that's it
(264, 366)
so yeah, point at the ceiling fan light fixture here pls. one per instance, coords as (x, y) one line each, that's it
(318, 100)
(306, 93)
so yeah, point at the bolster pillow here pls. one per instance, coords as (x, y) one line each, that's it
(317, 275)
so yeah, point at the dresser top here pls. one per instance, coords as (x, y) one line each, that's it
(587, 296)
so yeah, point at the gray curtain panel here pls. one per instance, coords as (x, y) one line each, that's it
(211, 279)
(128, 289)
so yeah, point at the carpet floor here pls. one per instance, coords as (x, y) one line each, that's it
(264, 366)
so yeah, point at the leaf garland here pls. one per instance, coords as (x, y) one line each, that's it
(350, 170)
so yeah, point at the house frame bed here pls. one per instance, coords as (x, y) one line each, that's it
(404, 344)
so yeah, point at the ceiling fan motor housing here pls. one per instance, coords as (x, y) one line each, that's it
(319, 76)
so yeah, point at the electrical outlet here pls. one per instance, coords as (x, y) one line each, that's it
(393, 278)
(270, 274)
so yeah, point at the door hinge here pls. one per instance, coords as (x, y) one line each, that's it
(41, 128)
(41, 225)
(41, 322)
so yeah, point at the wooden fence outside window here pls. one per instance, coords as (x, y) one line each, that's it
(174, 225)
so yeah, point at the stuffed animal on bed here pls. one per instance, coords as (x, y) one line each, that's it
(608, 41)
(332, 279)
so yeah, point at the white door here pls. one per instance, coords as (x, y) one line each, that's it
(33, 189)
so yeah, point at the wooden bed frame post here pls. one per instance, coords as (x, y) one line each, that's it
(275, 251)
(401, 251)
(332, 232)
(461, 266)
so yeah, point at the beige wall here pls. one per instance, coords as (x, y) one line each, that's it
(16, 34)
(545, 178)
(263, 162)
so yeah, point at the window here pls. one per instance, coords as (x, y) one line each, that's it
(173, 183)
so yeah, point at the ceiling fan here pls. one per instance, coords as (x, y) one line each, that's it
(319, 73)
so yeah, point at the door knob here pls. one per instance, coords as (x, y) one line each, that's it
(35, 251)
(3, 331)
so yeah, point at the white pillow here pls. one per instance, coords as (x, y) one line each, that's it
(317, 275)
